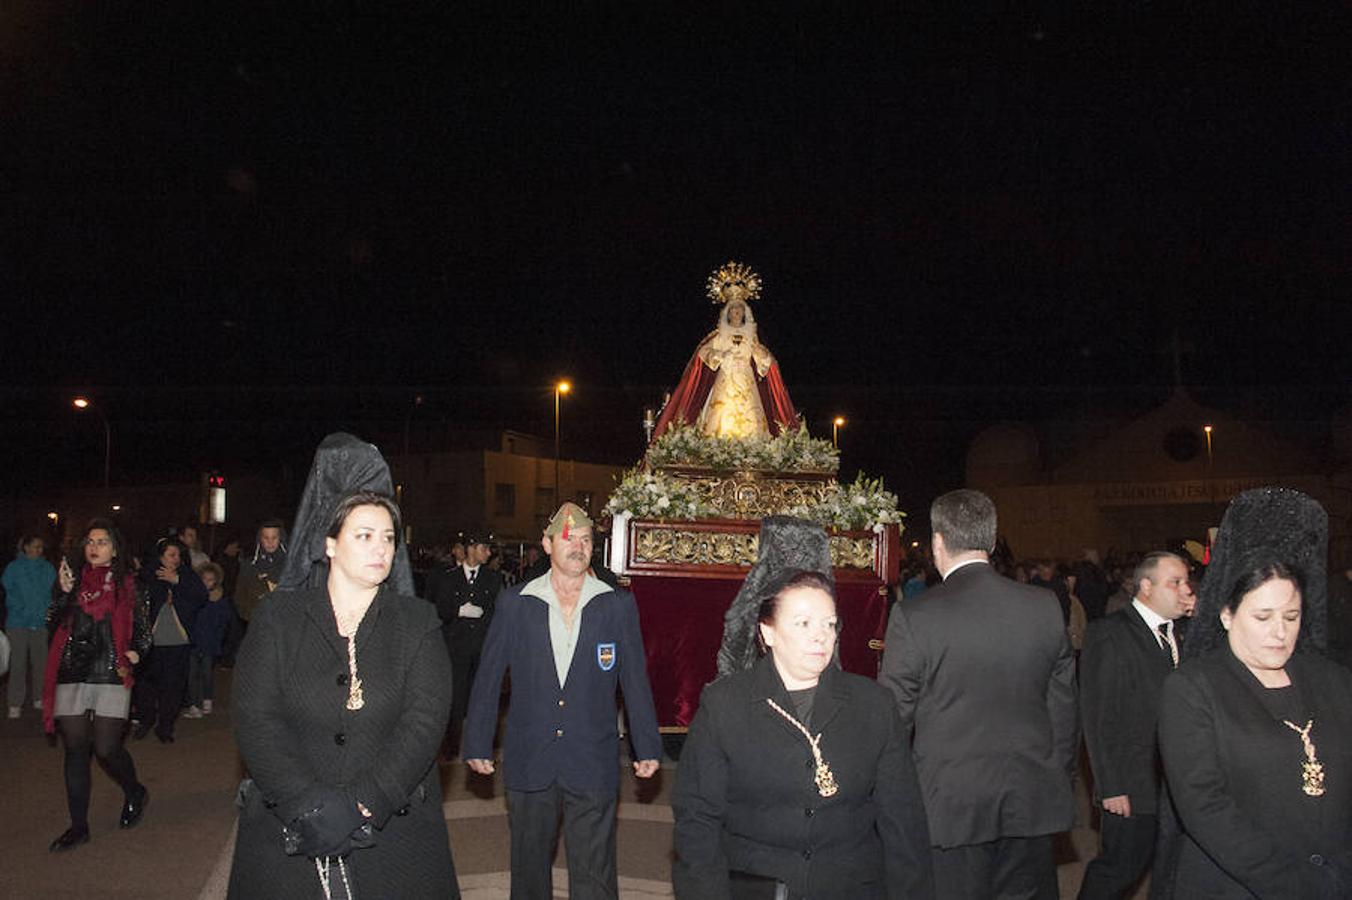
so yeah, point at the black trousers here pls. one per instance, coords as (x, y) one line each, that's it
(160, 687)
(464, 666)
(1015, 868)
(588, 836)
(1127, 845)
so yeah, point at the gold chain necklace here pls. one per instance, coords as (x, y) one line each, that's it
(1312, 770)
(826, 782)
(355, 700)
(347, 626)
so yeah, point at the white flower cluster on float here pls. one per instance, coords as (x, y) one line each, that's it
(655, 495)
(861, 506)
(792, 450)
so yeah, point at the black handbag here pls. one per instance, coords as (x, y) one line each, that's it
(82, 648)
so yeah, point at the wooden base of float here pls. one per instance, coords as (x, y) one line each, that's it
(684, 576)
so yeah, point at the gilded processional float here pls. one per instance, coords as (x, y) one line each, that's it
(727, 449)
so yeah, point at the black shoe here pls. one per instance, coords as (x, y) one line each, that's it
(70, 840)
(134, 808)
(142, 730)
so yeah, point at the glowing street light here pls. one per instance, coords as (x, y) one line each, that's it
(835, 431)
(560, 388)
(82, 403)
(1207, 429)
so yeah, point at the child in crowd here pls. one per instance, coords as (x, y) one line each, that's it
(208, 639)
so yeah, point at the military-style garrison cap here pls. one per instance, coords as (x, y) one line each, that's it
(569, 516)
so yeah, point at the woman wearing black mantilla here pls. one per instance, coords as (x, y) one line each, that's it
(796, 779)
(1256, 727)
(341, 693)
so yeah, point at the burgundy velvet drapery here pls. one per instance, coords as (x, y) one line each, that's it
(688, 398)
(779, 411)
(687, 401)
(682, 624)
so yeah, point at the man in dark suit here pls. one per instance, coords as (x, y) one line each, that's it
(982, 671)
(571, 643)
(1126, 657)
(464, 595)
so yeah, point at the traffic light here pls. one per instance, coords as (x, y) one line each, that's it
(215, 499)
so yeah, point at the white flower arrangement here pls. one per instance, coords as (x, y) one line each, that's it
(861, 506)
(656, 495)
(792, 450)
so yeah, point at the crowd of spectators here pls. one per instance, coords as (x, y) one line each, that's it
(175, 568)
(1088, 588)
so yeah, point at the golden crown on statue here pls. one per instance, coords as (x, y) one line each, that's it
(733, 279)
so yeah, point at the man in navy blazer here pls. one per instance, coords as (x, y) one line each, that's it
(571, 642)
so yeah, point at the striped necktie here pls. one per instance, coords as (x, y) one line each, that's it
(1168, 645)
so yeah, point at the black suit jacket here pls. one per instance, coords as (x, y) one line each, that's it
(1122, 672)
(450, 590)
(745, 799)
(982, 669)
(1235, 777)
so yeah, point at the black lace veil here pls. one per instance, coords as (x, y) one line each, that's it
(1263, 525)
(343, 465)
(785, 544)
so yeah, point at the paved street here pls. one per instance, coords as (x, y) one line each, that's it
(182, 848)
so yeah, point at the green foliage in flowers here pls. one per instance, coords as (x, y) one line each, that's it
(793, 450)
(860, 506)
(655, 495)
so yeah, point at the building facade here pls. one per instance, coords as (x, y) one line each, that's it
(1155, 482)
(510, 490)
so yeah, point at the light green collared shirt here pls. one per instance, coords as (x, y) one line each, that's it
(562, 640)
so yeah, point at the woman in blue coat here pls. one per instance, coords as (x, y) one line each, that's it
(28, 582)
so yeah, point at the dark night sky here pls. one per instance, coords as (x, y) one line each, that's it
(244, 229)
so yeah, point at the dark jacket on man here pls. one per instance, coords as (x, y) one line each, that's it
(448, 589)
(1122, 671)
(562, 734)
(982, 671)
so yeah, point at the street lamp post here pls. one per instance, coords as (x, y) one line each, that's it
(408, 420)
(83, 403)
(1207, 430)
(560, 388)
(404, 464)
(835, 431)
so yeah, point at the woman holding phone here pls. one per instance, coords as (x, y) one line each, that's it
(99, 633)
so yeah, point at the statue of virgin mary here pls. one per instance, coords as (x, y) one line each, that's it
(731, 386)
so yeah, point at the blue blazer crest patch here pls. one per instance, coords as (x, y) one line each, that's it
(605, 656)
